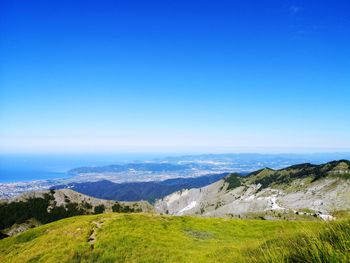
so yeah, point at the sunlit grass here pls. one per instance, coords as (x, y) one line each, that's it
(331, 243)
(155, 238)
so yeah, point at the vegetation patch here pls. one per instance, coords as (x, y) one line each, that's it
(99, 209)
(197, 234)
(42, 209)
(343, 176)
(232, 181)
(117, 207)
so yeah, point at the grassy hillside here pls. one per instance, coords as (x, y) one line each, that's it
(36, 208)
(269, 177)
(154, 238)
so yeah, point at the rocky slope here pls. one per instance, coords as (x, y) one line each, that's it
(65, 196)
(304, 190)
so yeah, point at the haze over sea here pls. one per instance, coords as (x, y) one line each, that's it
(30, 167)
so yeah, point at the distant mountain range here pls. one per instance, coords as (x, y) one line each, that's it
(149, 191)
(152, 170)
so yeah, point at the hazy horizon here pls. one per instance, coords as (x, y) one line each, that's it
(180, 152)
(26, 167)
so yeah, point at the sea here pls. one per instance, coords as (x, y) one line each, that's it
(31, 167)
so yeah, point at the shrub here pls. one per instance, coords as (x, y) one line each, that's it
(99, 209)
(233, 181)
(116, 207)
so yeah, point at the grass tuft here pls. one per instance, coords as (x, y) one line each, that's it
(330, 244)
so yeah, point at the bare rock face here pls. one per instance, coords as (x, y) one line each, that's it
(19, 228)
(294, 192)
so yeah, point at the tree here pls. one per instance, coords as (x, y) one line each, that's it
(99, 209)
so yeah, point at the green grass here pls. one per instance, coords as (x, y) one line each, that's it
(344, 176)
(330, 244)
(155, 238)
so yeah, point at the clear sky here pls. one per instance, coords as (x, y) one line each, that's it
(210, 76)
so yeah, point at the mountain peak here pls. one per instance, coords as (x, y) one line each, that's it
(266, 177)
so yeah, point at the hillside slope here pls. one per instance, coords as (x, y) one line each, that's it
(298, 191)
(35, 208)
(153, 238)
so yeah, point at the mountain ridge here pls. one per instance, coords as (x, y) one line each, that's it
(300, 190)
(136, 191)
(286, 175)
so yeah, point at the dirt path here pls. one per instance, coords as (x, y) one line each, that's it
(92, 237)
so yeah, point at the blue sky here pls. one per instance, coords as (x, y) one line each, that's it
(174, 76)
